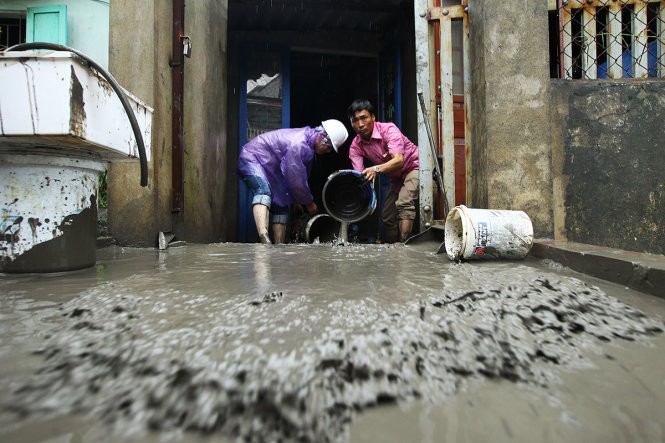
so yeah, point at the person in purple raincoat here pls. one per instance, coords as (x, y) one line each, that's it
(275, 166)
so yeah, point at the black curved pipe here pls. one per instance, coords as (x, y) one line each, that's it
(143, 159)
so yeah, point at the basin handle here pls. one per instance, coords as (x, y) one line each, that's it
(143, 159)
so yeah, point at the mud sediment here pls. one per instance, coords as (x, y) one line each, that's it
(283, 365)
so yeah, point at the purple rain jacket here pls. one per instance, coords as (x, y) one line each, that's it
(283, 158)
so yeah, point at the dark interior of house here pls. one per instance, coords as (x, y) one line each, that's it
(334, 53)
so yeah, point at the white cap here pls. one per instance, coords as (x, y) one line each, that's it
(336, 131)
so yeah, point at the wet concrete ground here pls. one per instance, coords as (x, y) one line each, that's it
(357, 343)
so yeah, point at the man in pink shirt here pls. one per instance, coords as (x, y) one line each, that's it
(392, 154)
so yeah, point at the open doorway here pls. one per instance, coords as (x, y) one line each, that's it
(303, 88)
(331, 52)
(322, 87)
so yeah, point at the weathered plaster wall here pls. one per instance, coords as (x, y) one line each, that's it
(137, 39)
(511, 158)
(611, 147)
(140, 51)
(477, 175)
(210, 205)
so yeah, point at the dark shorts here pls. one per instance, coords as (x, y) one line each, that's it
(262, 196)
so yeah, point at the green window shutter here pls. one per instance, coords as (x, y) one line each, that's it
(47, 24)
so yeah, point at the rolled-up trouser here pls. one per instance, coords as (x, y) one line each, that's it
(262, 196)
(402, 206)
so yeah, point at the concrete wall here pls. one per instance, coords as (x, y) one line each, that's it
(87, 24)
(137, 41)
(511, 110)
(582, 158)
(608, 139)
(140, 51)
(210, 180)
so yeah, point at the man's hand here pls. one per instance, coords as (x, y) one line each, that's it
(312, 208)
(396, 162)
(369, 173)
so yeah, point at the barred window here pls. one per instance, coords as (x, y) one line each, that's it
(12, 30)
(592, 39)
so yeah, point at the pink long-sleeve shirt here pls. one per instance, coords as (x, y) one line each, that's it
(386, 141)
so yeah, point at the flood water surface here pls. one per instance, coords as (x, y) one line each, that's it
(356, 343)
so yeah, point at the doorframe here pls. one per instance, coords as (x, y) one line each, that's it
(427, 71)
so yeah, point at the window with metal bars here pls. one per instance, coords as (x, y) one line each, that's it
(594, 39)
(12, 31)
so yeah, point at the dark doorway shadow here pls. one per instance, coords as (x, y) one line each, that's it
(323, 85)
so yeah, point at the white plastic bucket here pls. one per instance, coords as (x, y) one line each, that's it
(487, 233)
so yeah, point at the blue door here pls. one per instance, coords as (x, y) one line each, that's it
(264, 106)
(47, 24)
(389, 107)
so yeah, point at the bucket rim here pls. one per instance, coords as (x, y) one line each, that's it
(314, 219)
(466, 227)
(371, 207)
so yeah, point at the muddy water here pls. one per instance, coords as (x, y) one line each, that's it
(230, 342)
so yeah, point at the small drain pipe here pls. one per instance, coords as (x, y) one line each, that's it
(143, 159)
(177, 104)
